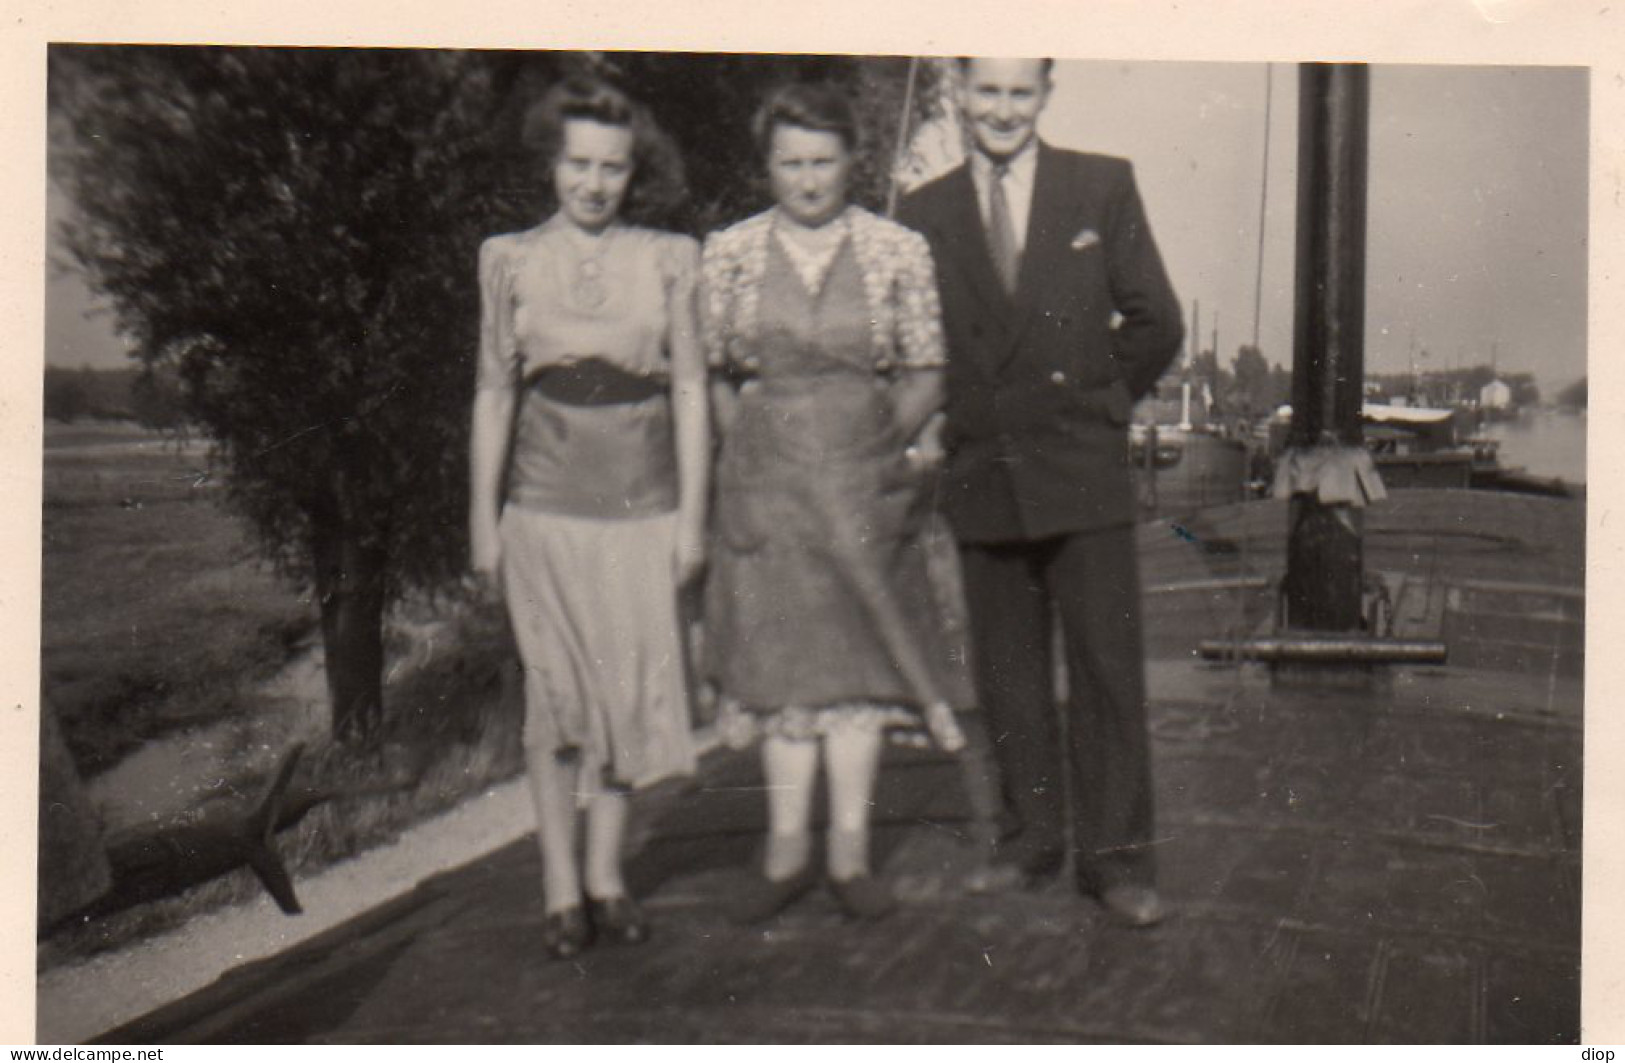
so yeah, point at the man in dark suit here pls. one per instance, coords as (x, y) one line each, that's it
(1059, 315)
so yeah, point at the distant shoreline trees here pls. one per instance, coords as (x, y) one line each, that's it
(149, 396)
(1251, 387)
(1248, 388)
(1449, 386)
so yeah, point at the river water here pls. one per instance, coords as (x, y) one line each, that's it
(1544, 443)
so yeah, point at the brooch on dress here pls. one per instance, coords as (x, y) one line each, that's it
(589, 286)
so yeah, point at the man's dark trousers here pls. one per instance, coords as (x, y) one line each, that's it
(1014, 591)
(1041, 383)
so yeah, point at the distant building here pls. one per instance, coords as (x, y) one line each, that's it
(1495, 395)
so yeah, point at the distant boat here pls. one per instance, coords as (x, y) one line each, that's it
(1426, 447)
(1181, 470)
(1421, 446)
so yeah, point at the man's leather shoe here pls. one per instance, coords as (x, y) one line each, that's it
(1133, 906)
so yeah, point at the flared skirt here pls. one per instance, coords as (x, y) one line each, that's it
(593, 604)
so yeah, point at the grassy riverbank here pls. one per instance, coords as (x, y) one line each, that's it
(160, 627)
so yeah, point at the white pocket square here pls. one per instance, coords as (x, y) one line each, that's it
(1085, 238)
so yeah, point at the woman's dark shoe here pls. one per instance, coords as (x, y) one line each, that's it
(566, 934)
(770, 896)
(619, 919)
(863, 896)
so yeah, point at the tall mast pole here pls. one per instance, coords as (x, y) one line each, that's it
(1324, 577)
(902, 135)
(1192, 341)
(1263, 204)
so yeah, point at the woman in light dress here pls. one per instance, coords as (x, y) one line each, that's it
(589, 467)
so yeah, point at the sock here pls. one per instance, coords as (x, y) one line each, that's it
(787, 854)
(848, 854)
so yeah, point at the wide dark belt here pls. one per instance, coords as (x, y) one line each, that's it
(595, 381)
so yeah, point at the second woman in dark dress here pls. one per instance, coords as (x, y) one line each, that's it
(821, 322)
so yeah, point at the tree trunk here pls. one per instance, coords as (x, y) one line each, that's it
(350, 584)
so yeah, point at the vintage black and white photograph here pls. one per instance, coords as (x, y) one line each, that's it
(623, 546)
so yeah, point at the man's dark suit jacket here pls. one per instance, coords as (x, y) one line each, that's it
(1041, 384)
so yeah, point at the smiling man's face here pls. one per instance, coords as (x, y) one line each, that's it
(1000, 100)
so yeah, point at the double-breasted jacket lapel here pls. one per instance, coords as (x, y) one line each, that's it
(973, 258)
(1044, 254)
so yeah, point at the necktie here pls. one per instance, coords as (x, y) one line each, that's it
(1002, 230)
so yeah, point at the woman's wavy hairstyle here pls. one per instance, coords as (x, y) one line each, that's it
(820, 106)
(657, 188)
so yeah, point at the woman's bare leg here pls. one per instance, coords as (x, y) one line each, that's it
(552, 789)
(791, 770)
(852, 762)
(606, 834)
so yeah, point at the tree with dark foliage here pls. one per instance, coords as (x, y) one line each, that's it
(706, 102)
(293, 234)
(157, 401)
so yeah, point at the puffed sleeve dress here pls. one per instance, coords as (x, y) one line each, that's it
(589, 515)
(819, 609)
